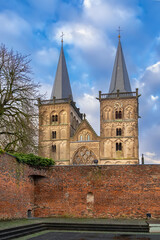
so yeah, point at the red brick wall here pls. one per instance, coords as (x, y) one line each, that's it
(114, 191)
(16, 188)
(119, 191)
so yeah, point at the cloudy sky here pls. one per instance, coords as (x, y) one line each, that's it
(34, 27)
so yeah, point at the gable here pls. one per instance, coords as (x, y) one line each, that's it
(85, 132)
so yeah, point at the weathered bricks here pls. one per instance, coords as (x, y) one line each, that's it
(128, 191)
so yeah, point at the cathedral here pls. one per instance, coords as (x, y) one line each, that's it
(66, 136)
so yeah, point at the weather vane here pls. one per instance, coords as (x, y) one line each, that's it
(119, 31)
(62, 38)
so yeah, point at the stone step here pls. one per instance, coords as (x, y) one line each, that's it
(98, 227)
(21, 231)
(17, 232)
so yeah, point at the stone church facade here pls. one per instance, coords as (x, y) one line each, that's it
(65, 134)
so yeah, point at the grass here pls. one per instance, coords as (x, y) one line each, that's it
(33, 235)
(16, 223)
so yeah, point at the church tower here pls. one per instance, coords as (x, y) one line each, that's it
(58, 117)
(119, 117)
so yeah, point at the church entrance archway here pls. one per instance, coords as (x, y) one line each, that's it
(83, 156)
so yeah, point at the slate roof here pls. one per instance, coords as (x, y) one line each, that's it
(120, 80)
(62, 88)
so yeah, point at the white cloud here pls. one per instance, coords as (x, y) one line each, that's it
(150, 154)
(90, 105)
(110, 14)
(13, 24)
(47, 56)
(89, 43)
(87, 3)
(151, 158)
(80, 34)
(155, 68)
(154, 98)
(45, 90)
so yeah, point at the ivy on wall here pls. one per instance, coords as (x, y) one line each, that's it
(31, 159)
(34, 160)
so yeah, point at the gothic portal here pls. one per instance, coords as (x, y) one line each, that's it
(65, 134)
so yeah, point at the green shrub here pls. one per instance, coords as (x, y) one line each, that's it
(1, 151)
(34, 160)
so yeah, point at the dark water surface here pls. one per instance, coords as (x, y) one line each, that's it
(93, 236)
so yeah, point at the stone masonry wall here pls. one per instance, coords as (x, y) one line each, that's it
(115, 191)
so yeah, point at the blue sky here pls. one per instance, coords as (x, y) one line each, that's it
(90, 26)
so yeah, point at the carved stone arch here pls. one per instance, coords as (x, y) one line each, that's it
(63, 133)
(77, 123)
(117, 162)
(129, 112)
(87, 135)
(129, 130)
(74, 122)
(43, 118)
(108, 163)
(63, 116)
(107, 148)
(128, 162)
(71, 118)
(107, 113)
(63, 150)
(60, 163)
(130, 148)
(118, 110)
(83, 155)
(53, 116)
(118, 106)
(83, 135)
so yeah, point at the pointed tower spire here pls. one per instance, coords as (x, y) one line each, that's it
(62, 88)
(120, 80)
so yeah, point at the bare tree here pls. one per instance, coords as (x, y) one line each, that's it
(18, 95)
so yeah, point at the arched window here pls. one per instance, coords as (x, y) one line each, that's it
(81, 137)
(63, 117)
(118, 131)
(74, 122)
(88, 137)
(53, 148)
(118, 115)
(118, 146)
(53, 134)
(55, 118)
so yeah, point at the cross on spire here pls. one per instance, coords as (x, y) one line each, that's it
(62, 38)
(119, 31)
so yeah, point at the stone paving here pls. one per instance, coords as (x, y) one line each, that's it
(94, 236)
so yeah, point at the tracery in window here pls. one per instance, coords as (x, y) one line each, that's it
(118, 115)
(83, 156)
(55, 118)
